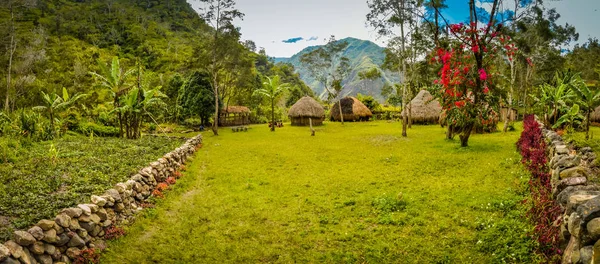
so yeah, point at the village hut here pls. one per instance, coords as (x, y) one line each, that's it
(306, 108)
(234, 116)
(425, 109)
(353, 110)
(595, 116)
(514, 114)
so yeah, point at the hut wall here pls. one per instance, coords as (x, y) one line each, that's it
(303, 121)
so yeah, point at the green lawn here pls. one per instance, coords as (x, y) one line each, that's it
(40, 178)
(354, 193)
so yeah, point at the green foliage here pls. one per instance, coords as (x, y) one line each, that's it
(40, 178)
(197, 98)
(369, 102)
(88, 128)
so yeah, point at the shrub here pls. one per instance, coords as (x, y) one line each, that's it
(87, 128)
(158, 193)
(162, 186)
(87, 256)
(113, 232)
(388, 204)
(171, 180)
(193, 122)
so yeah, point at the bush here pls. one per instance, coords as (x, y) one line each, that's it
(193, 122)
(99, 130)
(87, 256)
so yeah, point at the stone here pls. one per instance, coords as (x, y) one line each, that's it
(596, 253)
(576, 200)
(4, 252)
(27, 258)
(119, 207)
(572, 172)
(45, 224)
(593, 228)
(107, 223)
(45, 259)
(95, 218)
(59, 229)
(57, 255)
(73, 252)
(102, 214)
(82, 233)
(63, 220)
(76, 241)
(574, 225)
(563, 184)
(50, 236)
(49, 249)
(569, 250)
(15, 249)
(589, 210)
(10, 260)
(562, 149)
(99, 201)
(100, 244)
(563, 197)
(120, 187)
(567, 162)
(37, 248)
(96, 231)
(85, 209)
(586, 254)
(74, 225)
(36, 232)
(85, 218)
(23, 238)
(72, 212)
(114, 194)
(88, 226)
(93, 207)
(63, 239)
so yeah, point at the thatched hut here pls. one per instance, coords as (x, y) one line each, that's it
(425, 109)
(234, 116)
(595, 115)
(306, 108)
(353, 110)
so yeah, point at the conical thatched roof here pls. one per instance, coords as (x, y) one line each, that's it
(425, 109)
(307, 107)
(352, 108)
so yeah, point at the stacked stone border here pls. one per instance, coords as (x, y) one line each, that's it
(570, 169)
(60, 240)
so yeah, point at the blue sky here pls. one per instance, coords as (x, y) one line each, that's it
(284, 27)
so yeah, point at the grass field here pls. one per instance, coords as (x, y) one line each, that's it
(354, 193)
(39, 178)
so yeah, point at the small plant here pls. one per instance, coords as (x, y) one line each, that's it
(87, 256)
(158, 193)
(171, 180)
(113, 232)
(182, 168)
(162, 186)
(53, 154)
(177, 175)
(147, 205)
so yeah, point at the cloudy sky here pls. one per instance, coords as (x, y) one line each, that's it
(284, 27)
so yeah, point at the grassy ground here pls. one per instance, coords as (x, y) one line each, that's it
(579, 138)
(40, 178)
(354, 193)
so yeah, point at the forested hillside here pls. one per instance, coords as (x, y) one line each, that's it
(363, 55)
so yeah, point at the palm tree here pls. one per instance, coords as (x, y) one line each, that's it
(115, 80)
(54, 103)
(272, 89)
(554, 98)
(134, 104)
(588, 100)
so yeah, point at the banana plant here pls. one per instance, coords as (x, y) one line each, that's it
(588, 99)
(272, 89)
(134, 104)
(554, 99)
(570, 119)
(54, 104)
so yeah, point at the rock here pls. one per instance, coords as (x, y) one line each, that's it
(88, 226)
(574, 225)
(586, 254)
(573, 181)
(576, 200)
(562, 149)
(120, 187)
(36, 232)
(568, 162)
(37, 248)
(76, 241)
(86, 209)
(114, 194)
(23, 238)
(572, 172)
(50, 236)
(45, 259)
(50, 249)
(593, 228)
(57, 255)
(85, 218)
(563, 197)
(107, 223)
(4, 252)
(63, 239)
(95, 218)
(73, 252)
(74, 225)
(59, 229)
(82, 233)
(15, 249)
(63, 220)
(72, 212)
(596, 253)
(568, 253)
(45, 224)
(93, 207)
(120, 207)
(589, 210)
(100, 244)
(102, 214)
(99, 201)
(27, 258)
(10, 260)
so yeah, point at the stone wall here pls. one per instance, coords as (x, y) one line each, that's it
(60, 240)
(572, 170)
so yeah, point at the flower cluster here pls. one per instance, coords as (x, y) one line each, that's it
(87, 256)
(113, 232)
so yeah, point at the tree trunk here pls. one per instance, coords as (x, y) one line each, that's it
(450, 132)
(404, 95)
(52, 122)
(410, 114)
(464, 136)
(312, 131)
(272, 115)
(215, 126)
(341, 113)
(587, 125)
(12, 49)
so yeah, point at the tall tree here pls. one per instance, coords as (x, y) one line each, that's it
(387, 15)
(272, 89)
(220, 15)
(328, 65)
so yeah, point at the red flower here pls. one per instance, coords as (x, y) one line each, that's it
(459, 104)
(482, 74)
(486, 90)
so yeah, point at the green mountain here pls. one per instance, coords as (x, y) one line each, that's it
(363, 55)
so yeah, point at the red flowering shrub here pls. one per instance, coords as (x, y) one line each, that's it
(171, 180)
(177, 175)
(162, 186)
(113, 232)
(544, 212)
(182, 168)
(158, 193)
(87, 256)
(147, 205)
